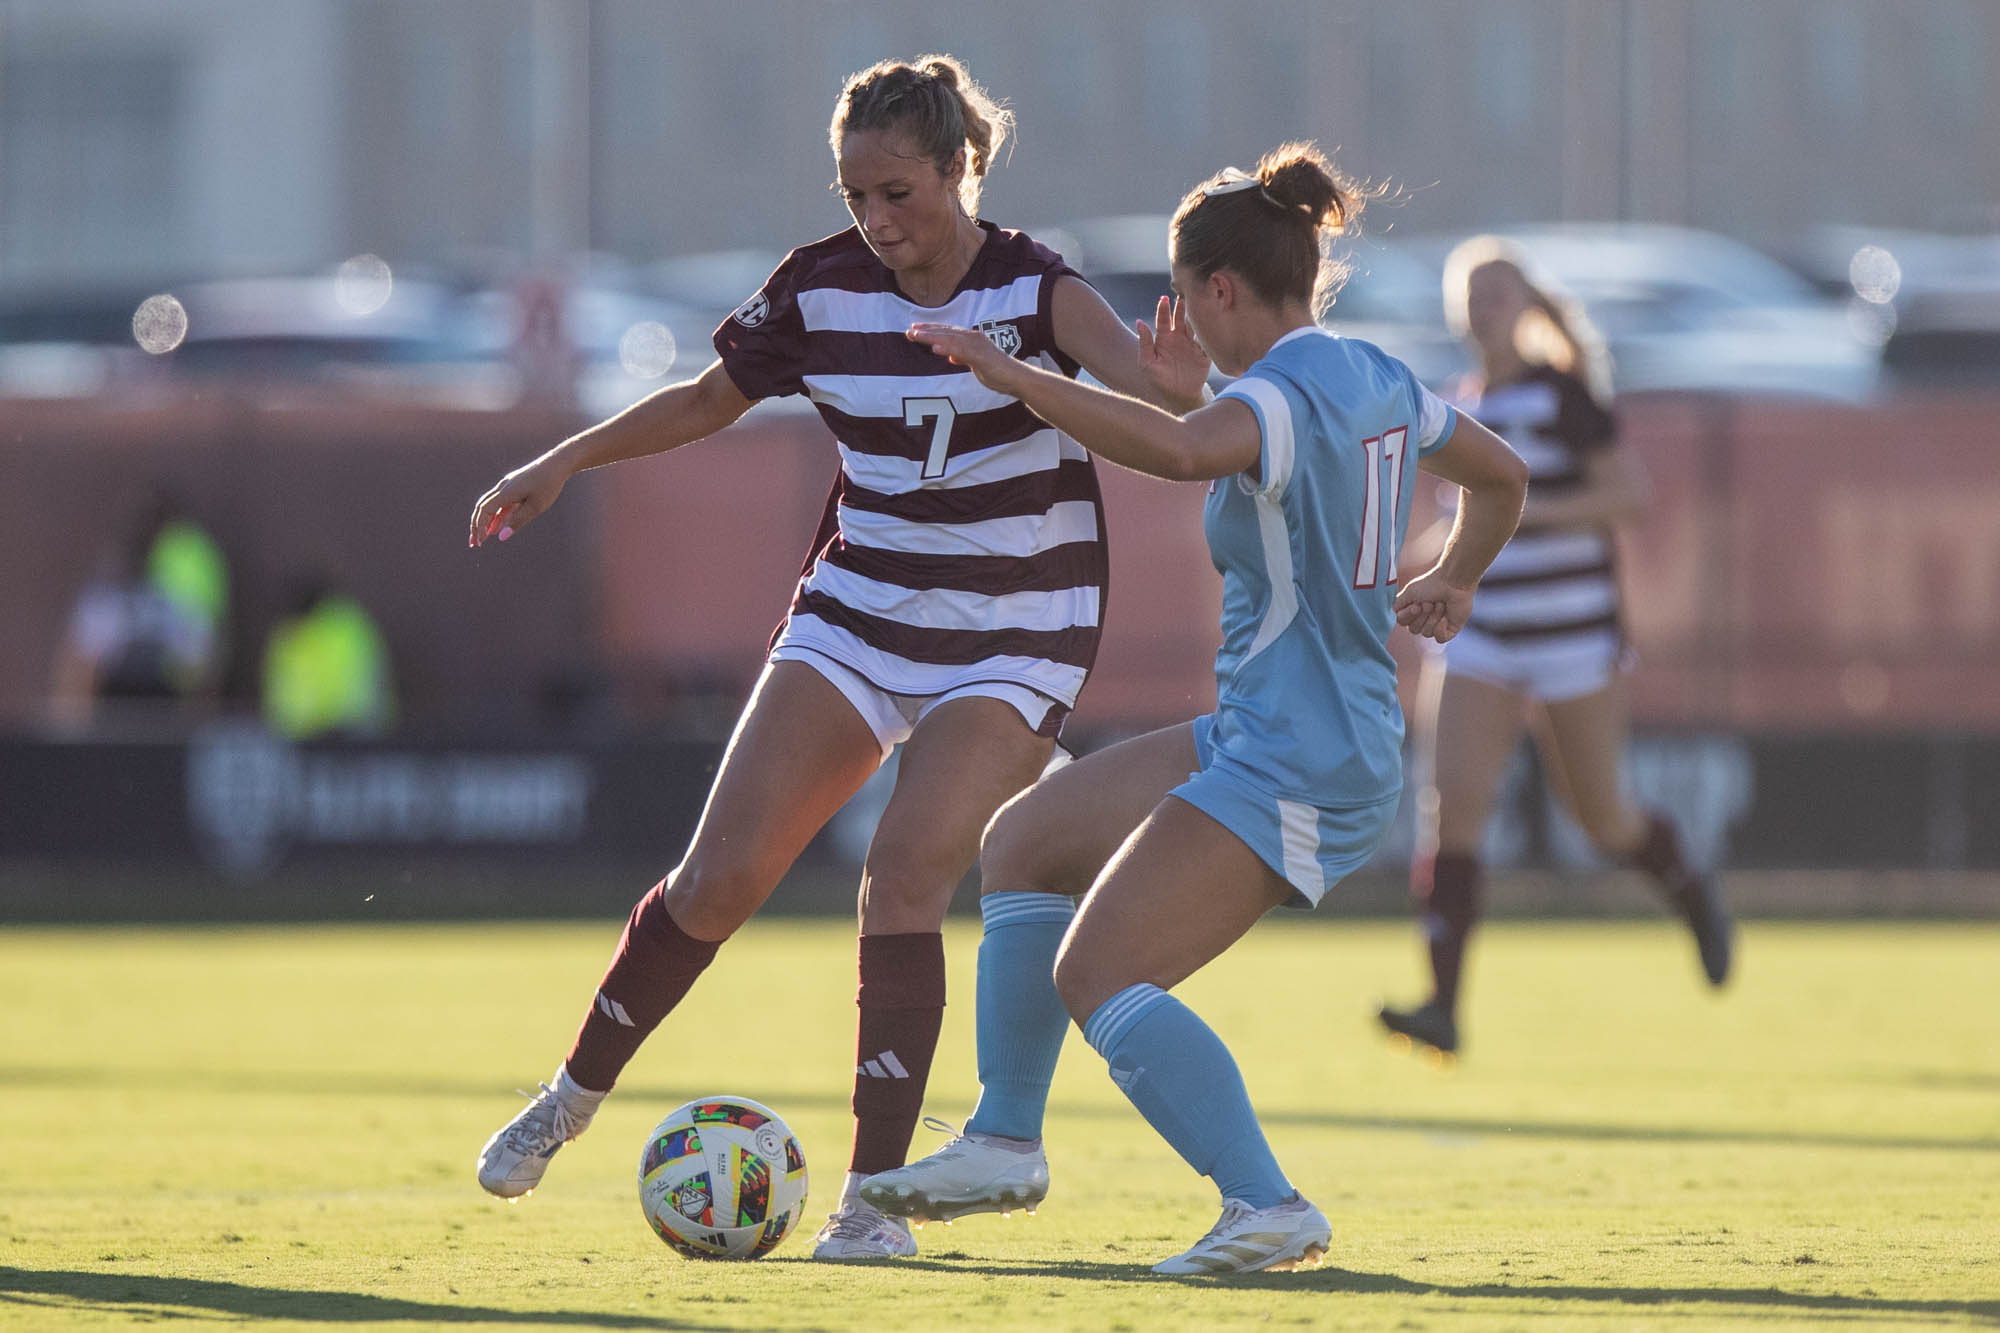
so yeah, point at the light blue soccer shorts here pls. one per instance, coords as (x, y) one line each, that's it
(1310, 847)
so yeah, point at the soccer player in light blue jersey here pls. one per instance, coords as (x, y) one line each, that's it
(1178, 841)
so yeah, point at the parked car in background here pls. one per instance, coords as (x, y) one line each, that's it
(1391, 296)
(1679, 308)
(368, 329)
(1687, 309)
(1932, 299)
(713, 282)
(69, 344)
(710, 285)
(619, 337)
(590, 333)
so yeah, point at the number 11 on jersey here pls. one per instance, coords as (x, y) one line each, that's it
(1381, 505)
(914, 412)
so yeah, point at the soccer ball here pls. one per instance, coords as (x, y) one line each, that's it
(722, 1178)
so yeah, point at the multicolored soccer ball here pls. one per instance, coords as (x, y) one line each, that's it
(722, 1178)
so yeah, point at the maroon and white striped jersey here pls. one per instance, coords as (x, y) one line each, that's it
(1549, 584)
(964, 538)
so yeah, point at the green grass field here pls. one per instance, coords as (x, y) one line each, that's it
(276, 1128)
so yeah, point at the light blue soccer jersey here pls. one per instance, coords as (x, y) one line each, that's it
(1306, 706)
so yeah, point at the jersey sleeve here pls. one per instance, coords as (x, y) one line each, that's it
(762, 343)
(1278, 452)
(1436, 419)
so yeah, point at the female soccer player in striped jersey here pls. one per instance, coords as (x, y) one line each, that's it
(1180, 840)
(951, 599)
(1546, 635)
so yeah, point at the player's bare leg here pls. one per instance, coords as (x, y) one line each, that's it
(1583, 747)
(1181, 890)
(1058, 836)
(966, 758)
(1467, 730)
(1045, 847)
(799, 751)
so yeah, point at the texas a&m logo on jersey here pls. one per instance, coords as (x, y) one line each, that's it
(1003, 334)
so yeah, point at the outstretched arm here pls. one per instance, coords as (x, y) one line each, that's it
(665, 419)
(1214, 441)
(1159, 362)
(1437, 602)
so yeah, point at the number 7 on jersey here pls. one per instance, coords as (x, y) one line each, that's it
(914, 412)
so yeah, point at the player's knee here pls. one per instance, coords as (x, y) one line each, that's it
(1084, 980)
(1461, 823)
(1014, 852)
(908, 864)
(713, 892)
(1071, 977)
(908, 881)
(1611, 828)
(1000, 846)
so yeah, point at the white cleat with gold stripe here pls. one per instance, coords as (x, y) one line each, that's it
(1293, 1234)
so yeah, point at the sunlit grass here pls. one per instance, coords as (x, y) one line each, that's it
(276, 1126)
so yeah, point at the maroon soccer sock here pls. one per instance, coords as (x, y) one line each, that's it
(655, 965)
(1447, 888)
(902, 1008)
(1659, 855)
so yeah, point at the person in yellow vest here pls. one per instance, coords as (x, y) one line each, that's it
(327, 669)
(184, 564)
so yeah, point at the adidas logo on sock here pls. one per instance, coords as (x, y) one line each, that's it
(885, 1065)
(613, 1010)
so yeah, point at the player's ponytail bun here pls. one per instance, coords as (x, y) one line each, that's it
(1273, 228)
(1298, 177)
(987, 123)
(937, 104)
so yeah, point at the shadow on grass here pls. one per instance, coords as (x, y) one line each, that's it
(178, 1297)
(1331, 1279)
(308, 1084)
(1949, 1080)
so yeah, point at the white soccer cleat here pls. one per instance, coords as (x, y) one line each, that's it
(971, 1174)
(513, 1160)
(1293, 1234)
(857, 1231)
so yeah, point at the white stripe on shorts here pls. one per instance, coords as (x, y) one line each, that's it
(1298, 828)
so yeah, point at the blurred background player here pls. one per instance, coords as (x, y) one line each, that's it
(1546, 637)
(149, 629)
(1185, 837)
(952, 600)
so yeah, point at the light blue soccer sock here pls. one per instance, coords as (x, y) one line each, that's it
(1021, 1022)
(1183, 1080)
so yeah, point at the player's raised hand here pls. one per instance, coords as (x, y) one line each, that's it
(968, 348)
(517, 499)
(1169, 354)
(1431, 608)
